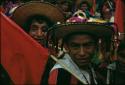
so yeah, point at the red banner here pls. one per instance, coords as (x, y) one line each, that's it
(21, 56)
(119, 14)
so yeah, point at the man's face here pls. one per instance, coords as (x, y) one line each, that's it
(106, 12)
(81, 48)
(37, 31)
(84, 7)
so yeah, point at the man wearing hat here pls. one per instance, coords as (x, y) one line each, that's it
(36, 17)
(75, 65)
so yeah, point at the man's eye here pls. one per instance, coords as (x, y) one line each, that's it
(34, 27)
(44, 28)
(74, 45)
(88, 45)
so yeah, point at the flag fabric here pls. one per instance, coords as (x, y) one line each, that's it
(119, 20)
(93, 9)
(21, 56)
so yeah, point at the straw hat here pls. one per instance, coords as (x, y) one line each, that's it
(23, 12)
(97, 29)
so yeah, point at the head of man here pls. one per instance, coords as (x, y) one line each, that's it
(35, 18)
(81, 47)
(80, 40)
(107, 9)
(84, 6)
(36, 26)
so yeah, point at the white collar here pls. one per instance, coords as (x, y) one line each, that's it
(70, 64)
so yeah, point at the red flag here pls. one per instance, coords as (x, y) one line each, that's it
(22, 57)
(93, 9)
(119, 20)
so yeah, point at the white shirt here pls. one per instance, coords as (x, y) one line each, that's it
(73, 67)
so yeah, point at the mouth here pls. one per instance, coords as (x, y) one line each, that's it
(82, 62)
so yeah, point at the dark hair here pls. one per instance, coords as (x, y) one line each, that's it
(38, 18)
(67, 37)
(104, 2)
(84, 2)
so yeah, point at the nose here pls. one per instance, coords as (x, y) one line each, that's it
(82, 51)
(39, 32)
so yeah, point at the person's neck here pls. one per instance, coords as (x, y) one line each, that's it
(86, 68)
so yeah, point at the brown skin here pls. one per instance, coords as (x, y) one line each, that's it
(37, 31)
(84, 7)
(81, 48)
(106, 12)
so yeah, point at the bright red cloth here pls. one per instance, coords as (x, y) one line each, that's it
(22, 57)
(119, 13)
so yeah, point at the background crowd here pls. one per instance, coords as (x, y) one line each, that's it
(99, 9)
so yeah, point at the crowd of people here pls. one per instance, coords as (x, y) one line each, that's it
(83, 43)
(103, 10)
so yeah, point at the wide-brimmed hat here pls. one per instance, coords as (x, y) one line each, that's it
(23, 12)
(99, 30)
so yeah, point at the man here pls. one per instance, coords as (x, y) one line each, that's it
(85, 7)
(107, 10)
(66, 6)
(36, 17)
(75, 66)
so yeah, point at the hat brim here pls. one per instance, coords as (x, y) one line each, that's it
(99, 30)
(23, 12)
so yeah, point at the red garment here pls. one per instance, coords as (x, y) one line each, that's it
(21, 56)
(119, 13)
(55, 75)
